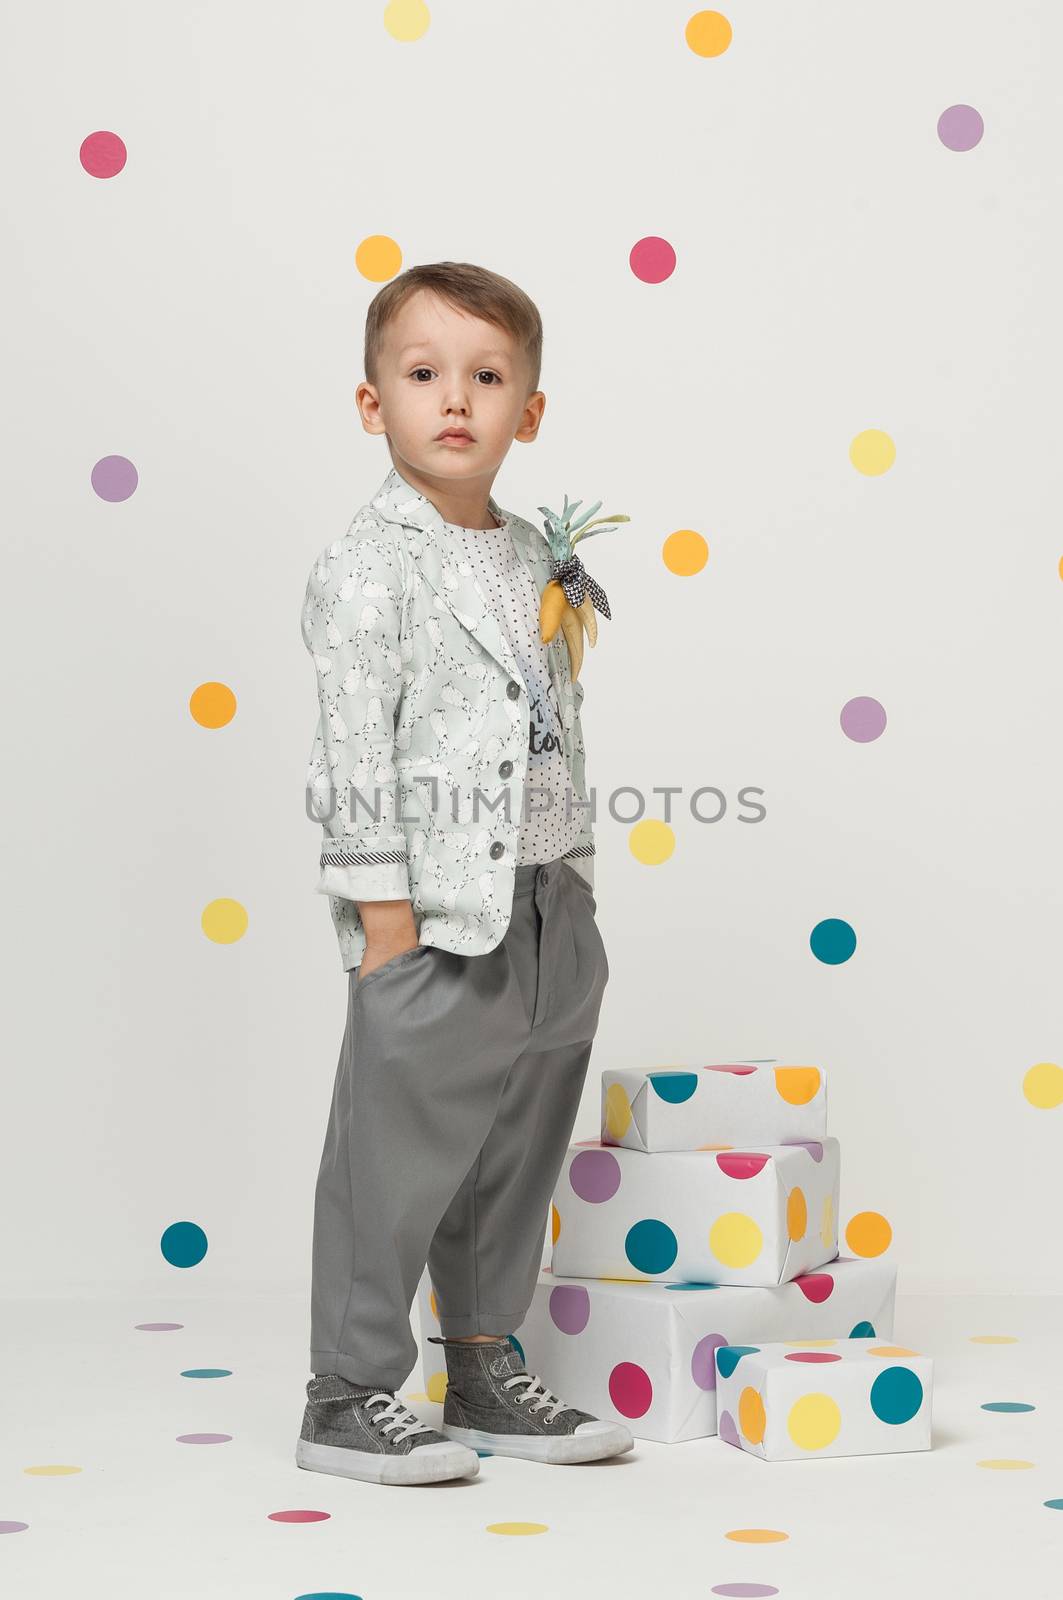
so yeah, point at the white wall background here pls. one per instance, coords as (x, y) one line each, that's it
(201, 313)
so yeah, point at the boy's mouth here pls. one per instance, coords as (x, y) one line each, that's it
(454, 436)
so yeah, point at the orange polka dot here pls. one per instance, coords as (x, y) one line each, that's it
(796, 1214)
(868, 1234)
(212, 705)
(685, 552)
(555, 1224)
(797, 1085)
(751, 1415)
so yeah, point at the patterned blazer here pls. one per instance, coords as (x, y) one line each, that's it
(421, 704)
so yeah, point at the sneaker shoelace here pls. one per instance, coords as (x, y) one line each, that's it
(546, 1401)
(394, 1415)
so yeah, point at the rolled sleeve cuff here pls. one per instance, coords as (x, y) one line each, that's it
(365, 869)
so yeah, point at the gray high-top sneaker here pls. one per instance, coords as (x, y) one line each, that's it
(494, 1403)
(357, 1431)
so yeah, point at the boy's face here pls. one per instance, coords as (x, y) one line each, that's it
(442, 368)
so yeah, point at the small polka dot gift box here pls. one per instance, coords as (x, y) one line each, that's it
(794, 1401)
(689, 1108)
(643, 1353)
(753, 1216)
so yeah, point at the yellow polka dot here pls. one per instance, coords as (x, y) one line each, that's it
(814, 1421)
(685, 552)
(872, 452)
(797, 1085)
(437, 1387)
(826, 1232)
(1006, 1465)
(378, 258)
(651, 841)
(715, 1147)
(555, 1223)
(1043, 1085)
(868, 1234)
(752, 1418)
(617, 1111)
(993, 1338)
(406, 20)
(50, 1471)
(224, 921)
(796, 1214)
(756, 1535)
(625, 1280)
(433, 1304)
(891, 1350)
(517, 1527)
(708, 33)
(417, 1395)
(735, 1239)
(809, 1344)
(212, 705)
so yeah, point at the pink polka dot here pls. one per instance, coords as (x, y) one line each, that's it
(652, 259)
(630, 1389)
(812, 1355)
(102, 154)
(739, 1072)
(299, 1516)
(740, 1163)
(815, 1286)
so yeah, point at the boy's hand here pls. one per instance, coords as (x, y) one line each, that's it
(390, 930)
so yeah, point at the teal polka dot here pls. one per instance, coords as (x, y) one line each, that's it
(651, 1246)
(184, 1244)
(675, 1087)
(729, 1355)
(833, 941)
(896, 1395)
(692, 1285)
(1054, 1505)
(864, 1330)
(207, 1372)
(1007, 1405)
(518, 1347)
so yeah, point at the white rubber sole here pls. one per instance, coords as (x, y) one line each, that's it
(425, 1463)
(592, 1441)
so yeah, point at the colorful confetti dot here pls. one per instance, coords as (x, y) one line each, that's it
(1043, 1085)
(756, 1535)
(832, 941)
(652, 259)
(960, 127)
(517, 1528)
(114, 478)
(224, 921)
(1007, 1405)
(212, 705)
(102, 154)
(1006, 1465)
(868, 1234)
(863, 719)
(183, 1244)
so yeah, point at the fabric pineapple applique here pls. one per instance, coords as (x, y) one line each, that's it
(571, 595)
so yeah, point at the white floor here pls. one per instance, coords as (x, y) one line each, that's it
(143, 1515)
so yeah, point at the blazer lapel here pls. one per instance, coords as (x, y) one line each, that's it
(398, 501)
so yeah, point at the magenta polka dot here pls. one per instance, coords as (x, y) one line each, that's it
(102, 154)
(740, 1163)
(815, 1286)
(570, 1307)
(727, 1430)
(960, 128)
(703, 1361)
(812, 1356)
(863, 719)
(299, 1516)
(203, 1438)
(652, 259)
(630, 1389)
(739, 1072)
(114, 478)
(594, 1175)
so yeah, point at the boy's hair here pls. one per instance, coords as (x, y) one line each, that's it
(469, 288)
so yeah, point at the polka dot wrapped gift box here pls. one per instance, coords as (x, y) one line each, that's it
(643, 1353)
(832, 1397)
(752, 1216)
(737, 1102)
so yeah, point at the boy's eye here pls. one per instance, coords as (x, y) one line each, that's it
(417, 370)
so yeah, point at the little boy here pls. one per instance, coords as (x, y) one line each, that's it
(464, 908)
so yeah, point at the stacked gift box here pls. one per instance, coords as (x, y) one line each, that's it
(703, 1219)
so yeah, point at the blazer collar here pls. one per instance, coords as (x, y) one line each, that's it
(438, 563)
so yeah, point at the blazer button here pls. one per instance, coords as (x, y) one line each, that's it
(513, 689)
(496, 849)
(505, 769)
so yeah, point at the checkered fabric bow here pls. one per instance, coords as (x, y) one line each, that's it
(577, 583)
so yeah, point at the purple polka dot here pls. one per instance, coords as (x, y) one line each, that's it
(158, 1327)
(727, 1430)
(594, 1175)
(570, 1307)
(863, 719)
(114, 478)
(813, 1146)
(960, 127)
(13, 1527)
(743, 1591)
(703, 1361)
(203, 1438)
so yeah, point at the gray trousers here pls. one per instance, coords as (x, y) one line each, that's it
(457, 1089)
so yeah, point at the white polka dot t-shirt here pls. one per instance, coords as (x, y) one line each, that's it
(514, 600)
